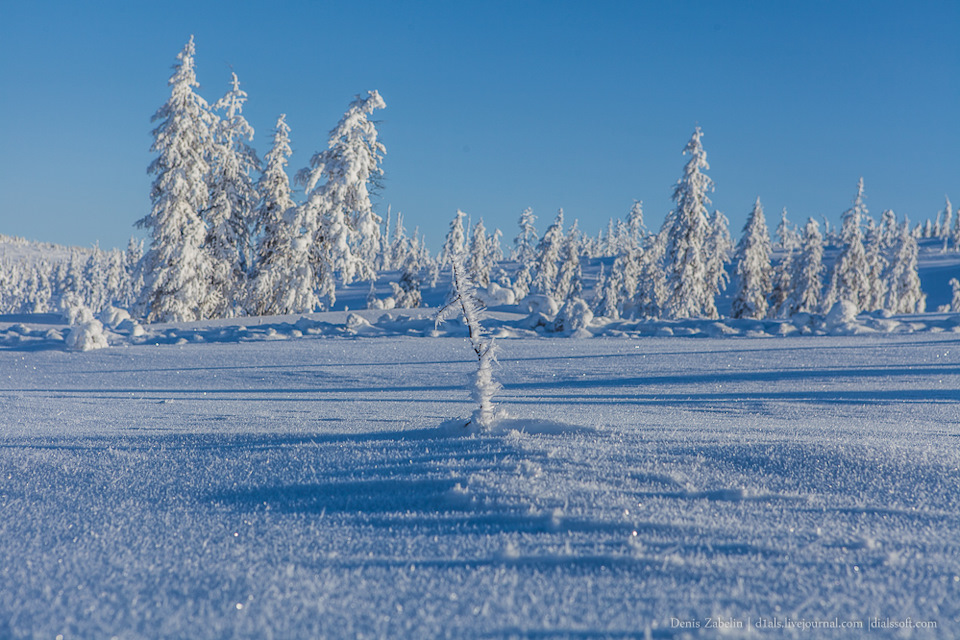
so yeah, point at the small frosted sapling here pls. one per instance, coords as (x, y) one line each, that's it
(463, 300)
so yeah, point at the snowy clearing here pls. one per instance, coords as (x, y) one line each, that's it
(644, 487)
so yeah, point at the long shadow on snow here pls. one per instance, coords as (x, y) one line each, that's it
(720, 377)
(885, 397)
(241, 441)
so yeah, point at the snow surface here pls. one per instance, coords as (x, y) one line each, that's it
(215, 481)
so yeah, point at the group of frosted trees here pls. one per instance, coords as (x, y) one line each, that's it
(875, 269)
(98, 279)
(680, 271)
(226, 237)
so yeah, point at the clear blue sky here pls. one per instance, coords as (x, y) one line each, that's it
(497, 106)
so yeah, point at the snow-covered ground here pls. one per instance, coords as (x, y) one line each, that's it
(217, 482)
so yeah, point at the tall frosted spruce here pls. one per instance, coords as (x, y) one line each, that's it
(176, 269)
(283, 282)
(338, 216)
(753, 267)
(850, 279)
(548, 253)
(904, 294)
(233, 198)
(807, 279)
(686, 270)
(455, 241)
(480, 261)
(524, 245)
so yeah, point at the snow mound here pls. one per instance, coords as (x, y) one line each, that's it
(114, 317)
(87, 336)
(843, 312)
(574, 319)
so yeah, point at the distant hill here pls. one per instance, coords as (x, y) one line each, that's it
(14, 249)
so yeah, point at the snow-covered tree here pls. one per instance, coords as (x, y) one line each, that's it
(548, 253)
(946, 225)
(782, 286)
(480, 263)
(904, 293)
(718, 248)
(524, 245)
(132, 265)
(686, 272)
(955, 234)
(338, 214)
(522, 281)
(176, 269)
(955, 299)
(407, 290)
(570, 276)
(635, 227)
(455, 241)
(494, 248)
(787, 234)
(807, 278)
(651, 294)
(889, 229)
(753, 267)
(876, 266)
(626, 274)
(850, 279)
(233, 198)
(396, 244)
(463, 300)
(607, 295)
(280, 264)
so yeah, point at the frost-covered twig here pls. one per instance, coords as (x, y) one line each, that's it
(463, 299)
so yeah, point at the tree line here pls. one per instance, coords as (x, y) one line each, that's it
(226, 238)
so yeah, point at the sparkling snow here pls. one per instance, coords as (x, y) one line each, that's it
(217, 481)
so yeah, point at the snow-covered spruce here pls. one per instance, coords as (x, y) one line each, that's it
(176, 269)
(281, 282)
(342, 230)
(850, 278)
(753, 267)
(718, 248)
(807, 278)
(455, 241)
(904, 294)
(548, 253)
(570, 275)
(233, 199)
(480, 261)
(463, 300)
(688, 228)
(524, 244)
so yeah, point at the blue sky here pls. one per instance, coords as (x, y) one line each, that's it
(497, 106)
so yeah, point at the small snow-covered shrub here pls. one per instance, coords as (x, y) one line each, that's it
(546, 305)
(86, 336)
(73, 309)
(574, 318)
(130, 327)
(112, 316)
(502, 295)
(841, 313)
(86, 332)
(358, 324)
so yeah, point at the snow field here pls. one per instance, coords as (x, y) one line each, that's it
(315, 488)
